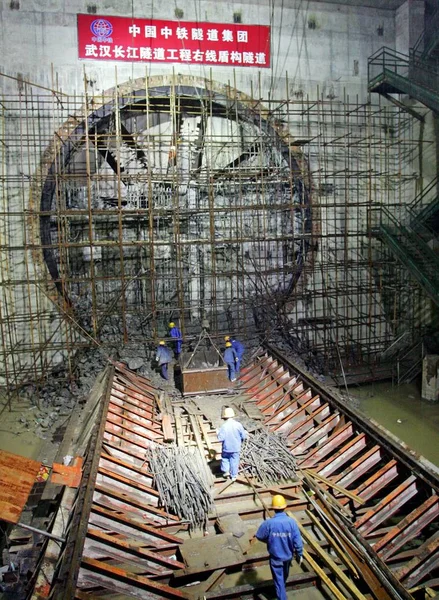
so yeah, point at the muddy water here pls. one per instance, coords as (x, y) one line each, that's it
(15, 437)
(403, 413)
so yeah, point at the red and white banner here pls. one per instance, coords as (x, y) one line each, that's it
(152, 41)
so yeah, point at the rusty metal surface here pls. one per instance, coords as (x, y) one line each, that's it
(200, 381)
(399, 494)
(17, 476)
(359, 490)
(119, 536)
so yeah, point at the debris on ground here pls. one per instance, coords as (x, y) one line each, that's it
(182, 483)
(266, 457)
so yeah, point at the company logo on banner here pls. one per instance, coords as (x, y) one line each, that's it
(149, 41)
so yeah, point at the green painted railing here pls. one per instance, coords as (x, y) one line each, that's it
(411, 248)
(398, 73)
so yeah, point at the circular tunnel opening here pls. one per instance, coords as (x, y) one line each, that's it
(181, 203)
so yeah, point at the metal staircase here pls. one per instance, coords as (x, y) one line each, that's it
(390, 72)
(427, 46)
(424, 210)
(412, 247)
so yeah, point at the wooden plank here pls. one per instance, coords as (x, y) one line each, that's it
(333, 543)
(17, 477)
(339, 488)
(335, 569)
(205, 434)
(178, 427)
(320, 572)
(168, 432)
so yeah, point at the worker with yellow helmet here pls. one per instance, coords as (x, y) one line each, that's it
(163, 357)
(238, 347)
(231, 359)
(175, 333)
(282, 536)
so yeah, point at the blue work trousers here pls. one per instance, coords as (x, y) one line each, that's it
(231, 371)
(280, 570)
(230, 463)
(164, 370)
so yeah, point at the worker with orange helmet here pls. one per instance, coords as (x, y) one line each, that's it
(282, 536)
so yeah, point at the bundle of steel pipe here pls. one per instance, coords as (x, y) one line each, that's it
(266, 457)
(180, 479)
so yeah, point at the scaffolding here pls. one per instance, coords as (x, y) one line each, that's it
(177, 198)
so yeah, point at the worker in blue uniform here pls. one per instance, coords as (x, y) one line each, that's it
(231, 359)
(231, 434)
(282, 536)
(175, 333)
(238, 347)
(163, 357)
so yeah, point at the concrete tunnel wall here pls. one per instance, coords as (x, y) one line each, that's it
(323, 47)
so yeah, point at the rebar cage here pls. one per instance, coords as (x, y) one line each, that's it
(173, 198)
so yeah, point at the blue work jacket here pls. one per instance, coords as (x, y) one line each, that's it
(230, 356)
(163, 355)
(232, 434)
(282, 536)
(175, 333)
(238, 348)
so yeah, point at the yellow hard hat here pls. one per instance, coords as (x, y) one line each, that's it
(228, 344)
(229, 413)
(278, 502)
(162, 343)
(171, 324)
(226, 338)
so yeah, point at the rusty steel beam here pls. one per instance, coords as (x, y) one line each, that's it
(286, 407)
(377, 434)
(345, 453)
(322, 412)
(117, 404)
(108, 447)
(126, 465)
(285, 413)
(122, 437)
(388, 506)
(408, 527)
(134, 501)
(378, 480)
(276, 400)
(127, 481)
(138, 582)
(144, 403)
(151, 435)
(358, 468)
(426, 560)
(136, 549)
(322, 450)
(67, 574)
(315, 435)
